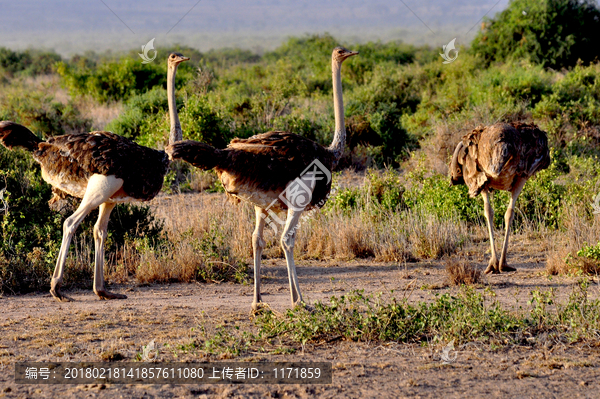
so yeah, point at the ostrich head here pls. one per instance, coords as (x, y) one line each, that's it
(175, 59)
(458, 158)
(340, 54)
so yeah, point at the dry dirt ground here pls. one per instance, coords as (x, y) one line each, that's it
(36, 328)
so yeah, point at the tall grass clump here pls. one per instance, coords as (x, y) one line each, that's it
(205, 240)
(462, 272)
(373, 220)
(574, 249)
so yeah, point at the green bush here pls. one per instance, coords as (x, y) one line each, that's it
(141, 114)
(434, 195)
(204, 124)
(379, 194)
(553, 33)
(590, 252)
(468, 315)
(113, 80)
(28, 62)
(574, 99)
(40, 112)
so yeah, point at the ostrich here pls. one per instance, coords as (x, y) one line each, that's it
(502, 157)
(103, 169)
(276, 172)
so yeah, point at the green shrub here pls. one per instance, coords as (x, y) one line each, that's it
(141, 114)
(40, 112)
(553, 33)
(590, 252)
(112, 80)
(466, 316)
(28, 62)
(379, 194)
(436, 196)
(574, 99)
(204, 124)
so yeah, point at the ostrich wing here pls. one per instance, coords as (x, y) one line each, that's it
(76, 157)
(534, 154)
(269, 161)
(473, 174)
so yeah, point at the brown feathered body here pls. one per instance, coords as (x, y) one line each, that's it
(68, 161)
(258, 169)
(495, 156)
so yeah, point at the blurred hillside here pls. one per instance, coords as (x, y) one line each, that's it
(71, 26)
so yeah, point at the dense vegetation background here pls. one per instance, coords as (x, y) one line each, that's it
(405, 111)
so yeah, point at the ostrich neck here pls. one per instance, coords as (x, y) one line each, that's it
(339, 135)
(175, 134)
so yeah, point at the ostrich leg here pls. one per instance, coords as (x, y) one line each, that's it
(288, 238)
(258, 244)
(489, 217)
(100, 188)
(100, 233)
(508, 218)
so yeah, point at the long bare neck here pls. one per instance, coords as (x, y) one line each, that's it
(176, 134)
(339, 135)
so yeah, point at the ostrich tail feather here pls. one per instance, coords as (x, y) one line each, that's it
(200, 155)
(15, 135)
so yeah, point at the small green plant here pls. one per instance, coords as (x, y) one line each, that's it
(218, 263)
(381, 192)
(586, 262)
(590, 252)
(223, 341)
(478, 316)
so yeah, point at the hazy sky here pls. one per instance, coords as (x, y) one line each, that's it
(70, 26)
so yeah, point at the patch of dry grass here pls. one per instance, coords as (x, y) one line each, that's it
(206, 240)
(578, 232)
(192, 218)
(201, 180)
(391, 237)
(462, 272)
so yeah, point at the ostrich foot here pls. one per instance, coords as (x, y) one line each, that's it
(493, 267)
(56, 293)
(301, 304)
(504, 268)
(106, 295)
(496, 268)
(259, 307)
